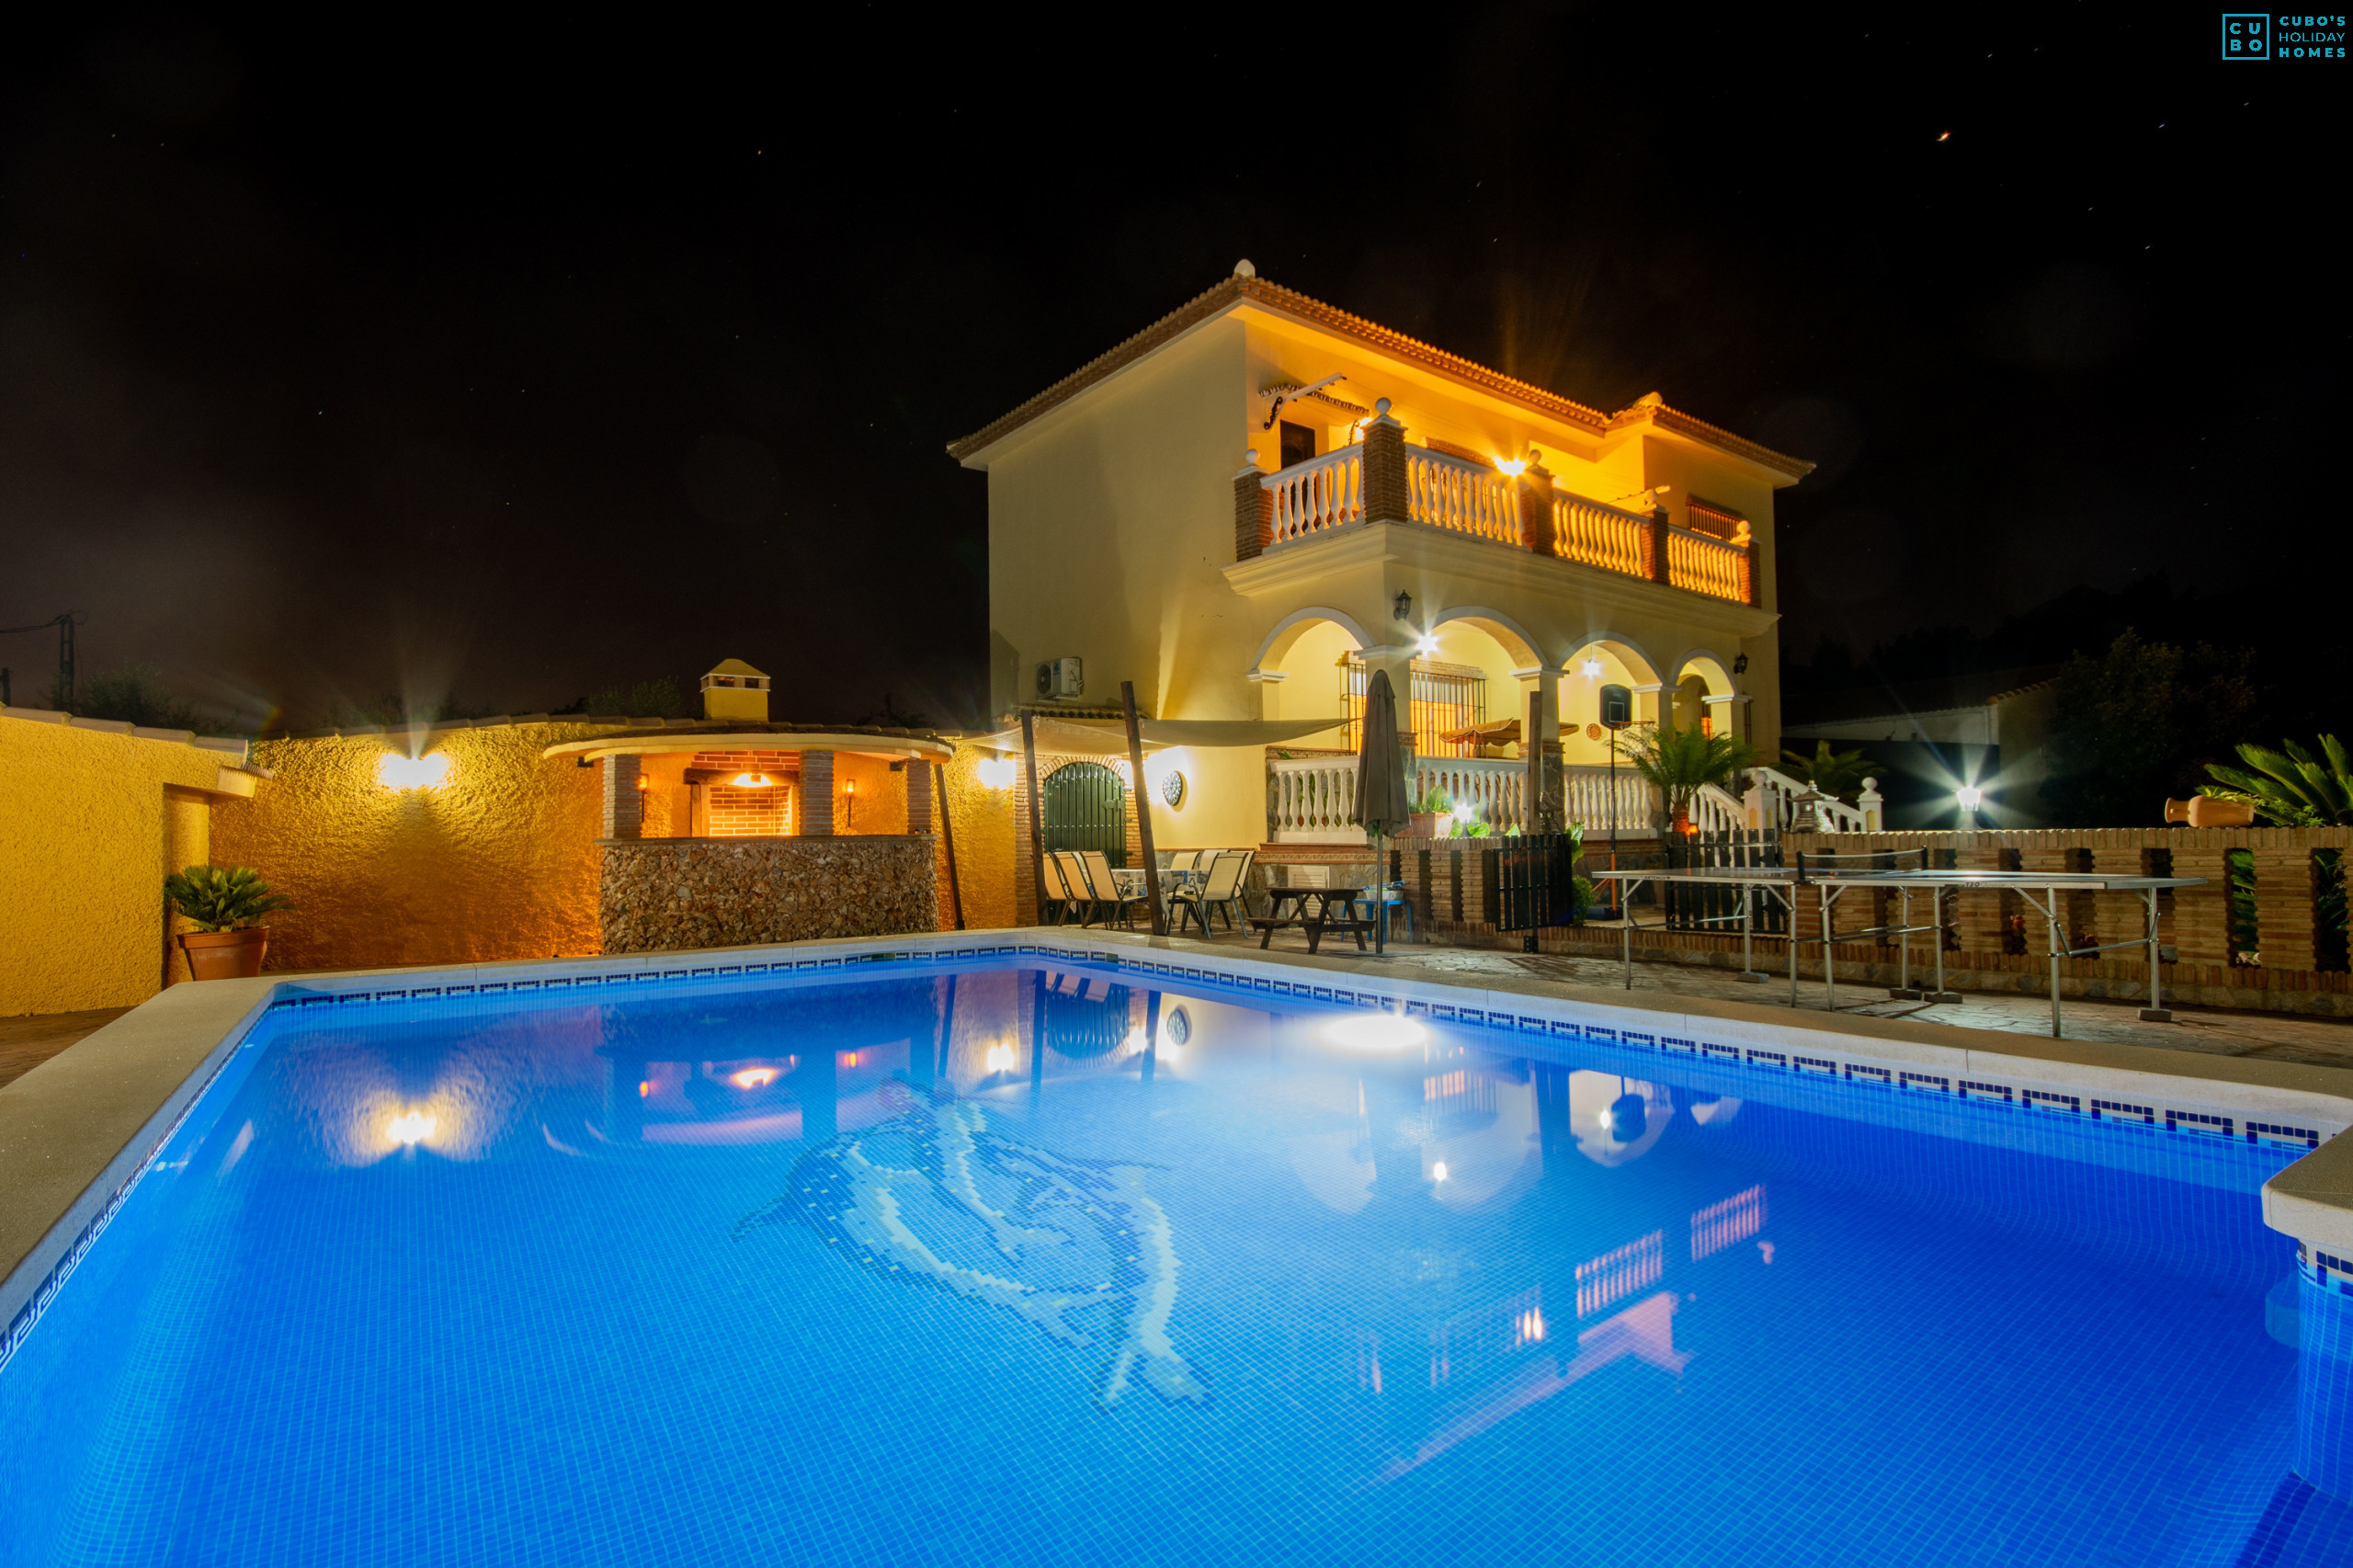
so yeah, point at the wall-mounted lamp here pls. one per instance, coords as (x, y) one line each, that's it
(394, 771)
(1968, 798)
(1401, 607)
(997, 773)
(754, 781)
(1590, 669)
(1740, 664)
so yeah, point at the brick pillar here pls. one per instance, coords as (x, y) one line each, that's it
(2202, 917)
(1254, 509)
(624, 816)
(1977, 913)
(918, 772)
(1535, 507)
(1659, 525)
(1385, 495)
(2118, 916)
(2043, 852)
(2283, 899)
(816, 794)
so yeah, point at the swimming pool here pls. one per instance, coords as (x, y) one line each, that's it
(1040, 1260)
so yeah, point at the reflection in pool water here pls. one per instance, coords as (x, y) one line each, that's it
(995, 1265)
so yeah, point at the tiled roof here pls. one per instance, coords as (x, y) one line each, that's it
(1256, 290)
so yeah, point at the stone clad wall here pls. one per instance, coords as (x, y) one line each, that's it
(659, 894)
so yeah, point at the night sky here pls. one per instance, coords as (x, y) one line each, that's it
(502, 368)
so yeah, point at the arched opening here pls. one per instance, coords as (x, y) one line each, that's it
(1083, 806)
(1304, 670)
(1699, 678)
(1468, 677)
(1593, 673)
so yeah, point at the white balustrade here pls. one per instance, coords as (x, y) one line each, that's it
(1706, 565)
(1597, 796)
(1491, 789)
(1461, 496)
(1601, 536)
(1771, 800)
(1310, 799)
(1320, 494)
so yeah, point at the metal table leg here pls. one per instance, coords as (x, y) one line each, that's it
(2157, 1012)
(1829, 965)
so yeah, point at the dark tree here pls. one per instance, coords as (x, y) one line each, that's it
(2140, 723)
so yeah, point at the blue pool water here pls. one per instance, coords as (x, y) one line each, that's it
(855, 1272)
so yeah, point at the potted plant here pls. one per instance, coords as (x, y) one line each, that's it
(226, 902)
(1678, 764)
(1428, 812)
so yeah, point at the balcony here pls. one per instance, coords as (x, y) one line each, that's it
(1462, 496)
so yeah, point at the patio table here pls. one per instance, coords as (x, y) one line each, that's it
(1312, 913)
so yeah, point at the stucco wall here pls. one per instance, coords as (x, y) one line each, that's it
(87, 836)
(499, 862)
(658, 894)
(983, 819)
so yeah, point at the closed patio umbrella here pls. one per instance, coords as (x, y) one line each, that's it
(1383, 803)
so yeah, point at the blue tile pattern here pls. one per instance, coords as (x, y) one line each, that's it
(891, 1260)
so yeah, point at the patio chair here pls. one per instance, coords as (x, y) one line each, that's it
(1221, 889)
(1105, 887)
(1082, 897)
(1054, 888)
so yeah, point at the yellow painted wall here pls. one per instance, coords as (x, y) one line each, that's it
(498, 863)
(984, 824)
(86, 835)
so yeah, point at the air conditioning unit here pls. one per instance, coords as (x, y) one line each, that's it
(1061, 678)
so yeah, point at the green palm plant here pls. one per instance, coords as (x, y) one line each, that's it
(223, 898)
(1678, 764)
(1839, 773)
(2289, 787)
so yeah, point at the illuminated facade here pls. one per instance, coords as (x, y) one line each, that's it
(1259, 500)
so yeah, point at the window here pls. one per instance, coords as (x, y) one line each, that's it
(1444, 696)
(1298, 443)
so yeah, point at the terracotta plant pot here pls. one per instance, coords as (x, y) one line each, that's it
(1683, 822)
(225, 955)
(1424, 824)
(2204, 810)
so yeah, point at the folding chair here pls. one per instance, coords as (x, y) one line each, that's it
(1055, 888)
(1104, 887)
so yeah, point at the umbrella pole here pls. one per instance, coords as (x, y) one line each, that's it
(1144, 809)
(1380, 899)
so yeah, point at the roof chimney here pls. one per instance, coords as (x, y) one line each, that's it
(734, 689)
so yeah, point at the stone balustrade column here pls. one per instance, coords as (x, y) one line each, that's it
(1254, 509)
(1386, 498)
(918, 771)
(624, 810)
(1660, 523)
(816, 794)
(1535, 507)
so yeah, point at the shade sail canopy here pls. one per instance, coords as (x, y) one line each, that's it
(1109, 737)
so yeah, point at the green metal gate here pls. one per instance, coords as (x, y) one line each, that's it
(1086, 808)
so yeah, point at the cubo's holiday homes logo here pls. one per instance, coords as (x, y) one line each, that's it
(2262, 36)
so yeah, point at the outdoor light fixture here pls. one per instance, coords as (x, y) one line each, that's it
(1401, 607)
(1375, 1031)
(1740, 664)
(1969, 797)
(394, 771)
(411, 1128)
(754, 781)
(1426, 643)
(1514, 467)
(997, 773)
(1591, 669)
